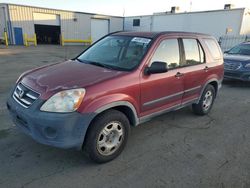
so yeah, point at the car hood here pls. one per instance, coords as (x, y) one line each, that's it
(67, 75)
(236, 58)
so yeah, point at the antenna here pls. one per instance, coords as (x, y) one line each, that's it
(190, 6)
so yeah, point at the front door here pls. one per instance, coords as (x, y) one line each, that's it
(163, 91)
(18, 35)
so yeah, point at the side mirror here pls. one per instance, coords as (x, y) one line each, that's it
(156, 67)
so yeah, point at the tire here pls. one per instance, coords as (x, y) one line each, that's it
(107, 136)
(206, 101)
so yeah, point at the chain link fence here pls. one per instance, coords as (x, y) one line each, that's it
(228, 41)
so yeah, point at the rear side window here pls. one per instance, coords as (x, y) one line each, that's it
(193, 52)
(213, 48)
(168, 52)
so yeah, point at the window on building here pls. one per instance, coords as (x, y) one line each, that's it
(168, 52)
(136, 22)
(193, 52)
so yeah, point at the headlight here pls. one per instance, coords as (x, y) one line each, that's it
(64, 101)
(247, 66)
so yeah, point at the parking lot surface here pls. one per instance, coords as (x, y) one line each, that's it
(177, 149)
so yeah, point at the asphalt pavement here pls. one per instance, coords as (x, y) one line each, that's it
(178, 149)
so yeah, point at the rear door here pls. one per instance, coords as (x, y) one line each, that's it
(163, 90)
(194, 69)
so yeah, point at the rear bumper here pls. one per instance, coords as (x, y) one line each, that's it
(64, 130)
(237, 75)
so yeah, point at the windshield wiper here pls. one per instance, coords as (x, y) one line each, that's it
(101, 65)
(80, 60)
(232, 53)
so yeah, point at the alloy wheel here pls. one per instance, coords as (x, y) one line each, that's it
(110, 138)
(208, 100)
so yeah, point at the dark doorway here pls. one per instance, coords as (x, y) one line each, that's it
(47, 34)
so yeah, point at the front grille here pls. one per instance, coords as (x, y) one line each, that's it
(24, 95)
(232, 66)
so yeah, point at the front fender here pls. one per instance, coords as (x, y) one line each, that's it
(114, 100)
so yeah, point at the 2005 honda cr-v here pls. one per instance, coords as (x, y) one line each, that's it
(122, 80)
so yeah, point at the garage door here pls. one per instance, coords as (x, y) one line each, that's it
(47, 28)
(99, 28)
(47, 34)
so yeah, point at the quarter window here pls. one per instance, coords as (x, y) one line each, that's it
(193, 52)
(168, 52)
(213, 48)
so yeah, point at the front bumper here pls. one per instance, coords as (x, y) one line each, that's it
(237, 75)
(64, 130)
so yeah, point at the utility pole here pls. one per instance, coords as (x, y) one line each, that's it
(190, 6)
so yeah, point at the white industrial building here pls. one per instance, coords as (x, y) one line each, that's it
(217, 22)
(50, 24)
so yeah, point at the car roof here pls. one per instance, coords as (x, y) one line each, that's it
(153, 35)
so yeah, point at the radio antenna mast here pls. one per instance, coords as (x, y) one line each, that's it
(190, 6)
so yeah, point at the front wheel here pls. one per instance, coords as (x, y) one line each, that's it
(107, 136)
(206, 101)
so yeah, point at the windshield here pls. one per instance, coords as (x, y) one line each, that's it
(242, 49)
(116, 52)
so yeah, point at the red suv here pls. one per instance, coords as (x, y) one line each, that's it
(122, 80)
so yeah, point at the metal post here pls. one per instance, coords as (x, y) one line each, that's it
(35, 40)
(6, 39)
(62, 40)
(25, 40)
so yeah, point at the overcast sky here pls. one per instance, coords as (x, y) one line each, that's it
(131, 7)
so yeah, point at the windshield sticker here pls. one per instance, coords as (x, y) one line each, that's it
(141, 40)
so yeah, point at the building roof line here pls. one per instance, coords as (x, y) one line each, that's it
(154, 14)
(195, 12)
(21, 5)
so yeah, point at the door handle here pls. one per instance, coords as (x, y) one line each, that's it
(178, 75)
(206, 68)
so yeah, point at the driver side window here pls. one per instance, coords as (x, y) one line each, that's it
(168, 52)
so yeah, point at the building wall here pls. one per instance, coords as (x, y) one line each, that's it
(245, 27)
(145, 23)
(214, 23)
(3, 23)
(74, 25)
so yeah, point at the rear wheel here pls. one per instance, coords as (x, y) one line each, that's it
(206, 101)
(107, 136)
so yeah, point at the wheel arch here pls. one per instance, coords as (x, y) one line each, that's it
(214, 82)
(123, 106)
